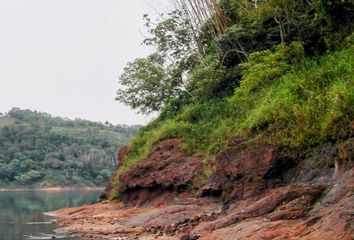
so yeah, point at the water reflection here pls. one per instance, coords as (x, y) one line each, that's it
(21, 213)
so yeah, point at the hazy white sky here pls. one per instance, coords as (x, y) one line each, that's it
(64, 56)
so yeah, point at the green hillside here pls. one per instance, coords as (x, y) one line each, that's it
(276, 72)
(39, 150)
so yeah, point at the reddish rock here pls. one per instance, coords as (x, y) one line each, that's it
(294, 209)
(107, 190)
(166, 170)
(121, 157)
(255, 192)
(289, 202)
(241, 173)
(328, 218)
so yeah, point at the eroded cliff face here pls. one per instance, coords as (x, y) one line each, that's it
(254, 192)
(166, 173)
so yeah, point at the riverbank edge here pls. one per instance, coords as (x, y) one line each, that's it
(51, 189)
(279, 193)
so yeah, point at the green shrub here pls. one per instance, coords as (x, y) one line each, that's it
(297, 102)
(29, 177)
(309, 104)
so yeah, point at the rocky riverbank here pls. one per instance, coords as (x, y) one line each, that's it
(253, 192)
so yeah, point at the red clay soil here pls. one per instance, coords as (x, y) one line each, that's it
(167, 171)
(257, 192)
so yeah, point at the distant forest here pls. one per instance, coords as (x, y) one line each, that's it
(38, 150)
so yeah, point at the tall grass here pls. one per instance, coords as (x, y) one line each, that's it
(293, 102)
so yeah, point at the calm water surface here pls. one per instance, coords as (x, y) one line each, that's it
(21, 213)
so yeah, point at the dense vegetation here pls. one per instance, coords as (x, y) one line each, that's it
(39, 150)
(281, 71)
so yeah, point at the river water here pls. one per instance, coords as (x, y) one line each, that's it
(21, 212)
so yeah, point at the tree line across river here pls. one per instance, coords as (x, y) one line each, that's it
(39, 150)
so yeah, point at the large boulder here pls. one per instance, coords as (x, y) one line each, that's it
(164, 173)
(244, 172)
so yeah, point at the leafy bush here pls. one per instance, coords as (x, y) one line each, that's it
(206, 79)
(29, 177)
(300, 101)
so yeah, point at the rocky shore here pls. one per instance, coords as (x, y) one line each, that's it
(253, 192)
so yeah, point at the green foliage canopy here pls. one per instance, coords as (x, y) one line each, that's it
(38, 150)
